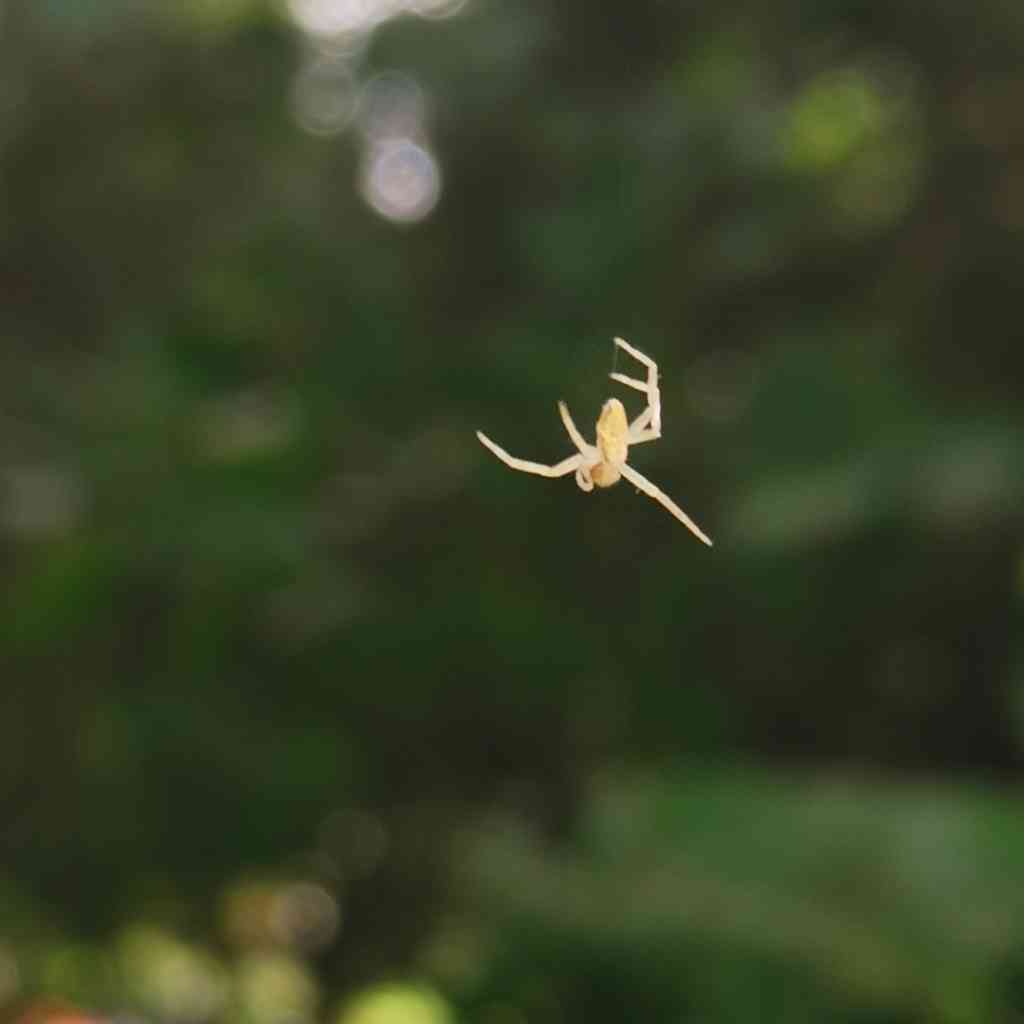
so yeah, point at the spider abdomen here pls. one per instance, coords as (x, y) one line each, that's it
(604, 474)
(613, 434)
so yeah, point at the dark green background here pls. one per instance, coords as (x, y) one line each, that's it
(277, 632)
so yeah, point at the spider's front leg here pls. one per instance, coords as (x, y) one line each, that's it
(589, 455)
(584, 480)
(647, 426)
(562, 468)
(586, 450)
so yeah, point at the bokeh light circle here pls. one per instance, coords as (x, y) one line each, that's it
(401, 180)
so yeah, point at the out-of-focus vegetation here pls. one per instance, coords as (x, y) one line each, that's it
(310, 710)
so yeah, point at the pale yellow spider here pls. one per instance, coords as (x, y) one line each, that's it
(605, 463)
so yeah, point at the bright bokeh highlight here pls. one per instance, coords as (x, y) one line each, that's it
(397, 1004)
(401, 180)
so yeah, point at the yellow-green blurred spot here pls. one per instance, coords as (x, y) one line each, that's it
(723, 71)
(77, 972)
(170, 978)
(216, 15)
(831, 119)
(10, 976)
(274, 987)
(397, 1004)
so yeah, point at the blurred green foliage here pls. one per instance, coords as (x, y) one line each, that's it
(312, 710)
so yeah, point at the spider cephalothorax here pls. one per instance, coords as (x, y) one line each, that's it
(605, 464)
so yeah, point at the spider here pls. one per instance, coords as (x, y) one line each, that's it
(604, 464)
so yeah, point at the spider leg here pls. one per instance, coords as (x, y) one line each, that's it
(562, 468)
(650, 388)
(640, 429)
(638, 433)
(638, 355)
(583, 479)
(587, 450)
(640, 425)
(630, 382)
(645, 485)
